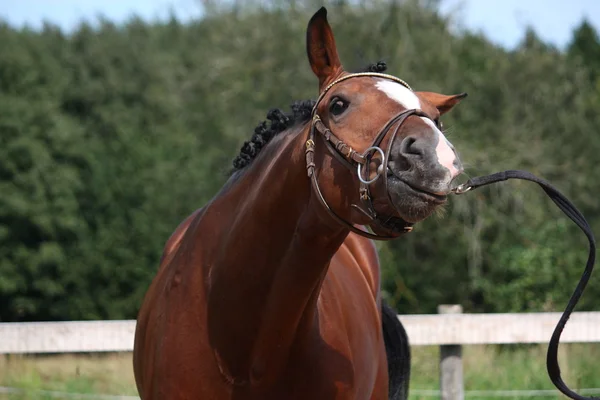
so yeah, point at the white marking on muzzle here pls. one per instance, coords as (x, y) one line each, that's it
(445, 155)
(395, 91)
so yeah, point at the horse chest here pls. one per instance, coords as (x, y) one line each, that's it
(346, 356)
(327, 368)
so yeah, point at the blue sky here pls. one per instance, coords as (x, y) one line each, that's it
(503, 21)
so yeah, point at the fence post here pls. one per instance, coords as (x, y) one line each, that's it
(451, 368)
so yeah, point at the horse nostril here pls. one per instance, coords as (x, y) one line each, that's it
(411, 147)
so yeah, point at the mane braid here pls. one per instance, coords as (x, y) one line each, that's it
(264, 132)
(379, 66)
(281, 121)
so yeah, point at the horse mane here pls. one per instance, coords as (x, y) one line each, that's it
(279, 122)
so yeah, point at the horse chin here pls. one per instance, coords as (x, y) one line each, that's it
(413, 204)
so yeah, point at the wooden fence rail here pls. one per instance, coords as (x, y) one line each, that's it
(450, 329)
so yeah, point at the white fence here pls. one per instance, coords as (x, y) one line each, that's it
(450, 329)
(433, 329)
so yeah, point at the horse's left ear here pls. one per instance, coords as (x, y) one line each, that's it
(321, 49)
(442, 102)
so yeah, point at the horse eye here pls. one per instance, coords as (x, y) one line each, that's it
(338, 106)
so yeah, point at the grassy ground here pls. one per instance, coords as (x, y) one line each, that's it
(97, 373)
(485, 368)
(521, 367)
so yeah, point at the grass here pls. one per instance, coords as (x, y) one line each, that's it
(514, 367)
(95, 373)
(519, 367)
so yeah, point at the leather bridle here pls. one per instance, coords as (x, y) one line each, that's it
(359, 162)
(352, 159)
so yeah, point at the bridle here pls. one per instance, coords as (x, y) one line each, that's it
(359, 161)
(352, 159)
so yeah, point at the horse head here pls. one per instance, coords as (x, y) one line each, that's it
(402, 167)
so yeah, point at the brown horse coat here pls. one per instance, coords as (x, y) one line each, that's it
(261, 294)
(335, 351)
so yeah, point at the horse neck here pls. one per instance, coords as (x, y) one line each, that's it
(265, 280)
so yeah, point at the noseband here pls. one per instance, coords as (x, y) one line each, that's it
(359, 162)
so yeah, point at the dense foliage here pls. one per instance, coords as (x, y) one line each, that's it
(110, 136)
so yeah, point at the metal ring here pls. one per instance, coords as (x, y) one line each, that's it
(374, 148)
(460, 189)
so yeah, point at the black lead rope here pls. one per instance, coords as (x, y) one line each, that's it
(573, 213)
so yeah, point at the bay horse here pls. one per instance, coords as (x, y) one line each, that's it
(272, 289)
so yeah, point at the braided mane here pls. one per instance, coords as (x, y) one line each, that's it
(279, 122)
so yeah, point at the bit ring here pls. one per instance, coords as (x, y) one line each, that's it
(379, 170)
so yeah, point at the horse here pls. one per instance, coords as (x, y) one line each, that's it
(272, 289)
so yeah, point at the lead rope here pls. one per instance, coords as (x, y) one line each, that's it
(575, 215)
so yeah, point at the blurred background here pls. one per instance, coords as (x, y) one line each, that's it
(120, 118)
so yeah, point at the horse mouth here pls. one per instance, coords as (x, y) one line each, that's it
(413, 203)
(419, 191)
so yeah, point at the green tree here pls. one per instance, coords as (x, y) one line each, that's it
(110, 136)
(585, 48)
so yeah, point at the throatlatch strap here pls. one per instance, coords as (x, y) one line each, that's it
(575, 215)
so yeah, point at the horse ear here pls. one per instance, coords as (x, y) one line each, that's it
(442, 102)
(320, 46)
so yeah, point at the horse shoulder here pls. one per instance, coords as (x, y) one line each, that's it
(174, 240)
(152, 315)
